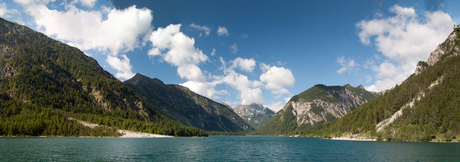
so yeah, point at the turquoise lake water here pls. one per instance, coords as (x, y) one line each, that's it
(221, 148)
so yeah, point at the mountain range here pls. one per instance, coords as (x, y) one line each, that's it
(183, 105)
(45, 82)
(255, 114)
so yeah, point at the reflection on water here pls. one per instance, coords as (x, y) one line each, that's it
(221, 149)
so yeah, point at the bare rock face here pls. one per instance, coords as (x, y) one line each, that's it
(316, 105)
(448, 48)
(334, 102)
(420, 67)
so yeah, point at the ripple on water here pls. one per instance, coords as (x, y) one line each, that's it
(226, 148)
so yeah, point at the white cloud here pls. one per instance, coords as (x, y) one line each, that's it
(244, 36)
(234, 48)
(277, 79)
(275, 106)
(244, 64)
(249, 91)
(222, 31)
(178, 50)
(123, 67)
(122, 31)
(213, 52)
(204, 88)
(346, 65)
(4, 12)
(404, 39)
(199, 28)
(88, 3)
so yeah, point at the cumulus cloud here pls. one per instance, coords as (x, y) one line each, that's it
(199, 28)
(204, 88)
(234, 48)
(346, 65)
(179, 50)
(277, 79)
(222, 31)
(121, 65)
(122, 31)
(4, 12)
(248, 89)
(403, 39)
(243, 64)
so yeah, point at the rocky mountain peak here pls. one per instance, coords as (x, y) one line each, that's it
(447, 47)
(251, 110)
(319, 104)
(144, 80)
(255, 114)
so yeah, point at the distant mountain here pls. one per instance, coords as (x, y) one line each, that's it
(255, 114)
(423, 107)
(317, 105)
(181, 104)
(43, 82)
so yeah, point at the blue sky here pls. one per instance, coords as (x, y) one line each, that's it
(247, 52)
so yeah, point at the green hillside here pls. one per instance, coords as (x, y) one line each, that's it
(181, 104)
(259, 121)
(435, 112)
(43, 82)
(317, 105)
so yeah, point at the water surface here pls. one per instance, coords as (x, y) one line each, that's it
(221, 148)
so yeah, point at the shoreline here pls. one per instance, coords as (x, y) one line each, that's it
(131, 134)
(126, 133)
(353, 139)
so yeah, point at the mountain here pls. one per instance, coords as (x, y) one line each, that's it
(43, 82)
(316, 105)
(423, 107)
(181, 104)
(255, 114)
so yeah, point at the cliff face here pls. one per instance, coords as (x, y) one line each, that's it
(447, 49)
(255, 114)
(185, 106)
(316, 105)
(336, 102)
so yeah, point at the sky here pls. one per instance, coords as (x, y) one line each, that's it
(244, 52)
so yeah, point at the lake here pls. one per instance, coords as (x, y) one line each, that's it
(221, 148)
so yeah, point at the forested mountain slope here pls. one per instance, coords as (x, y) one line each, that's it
(43, 82)
(425, 106)
(316, 105)
(184, 105)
